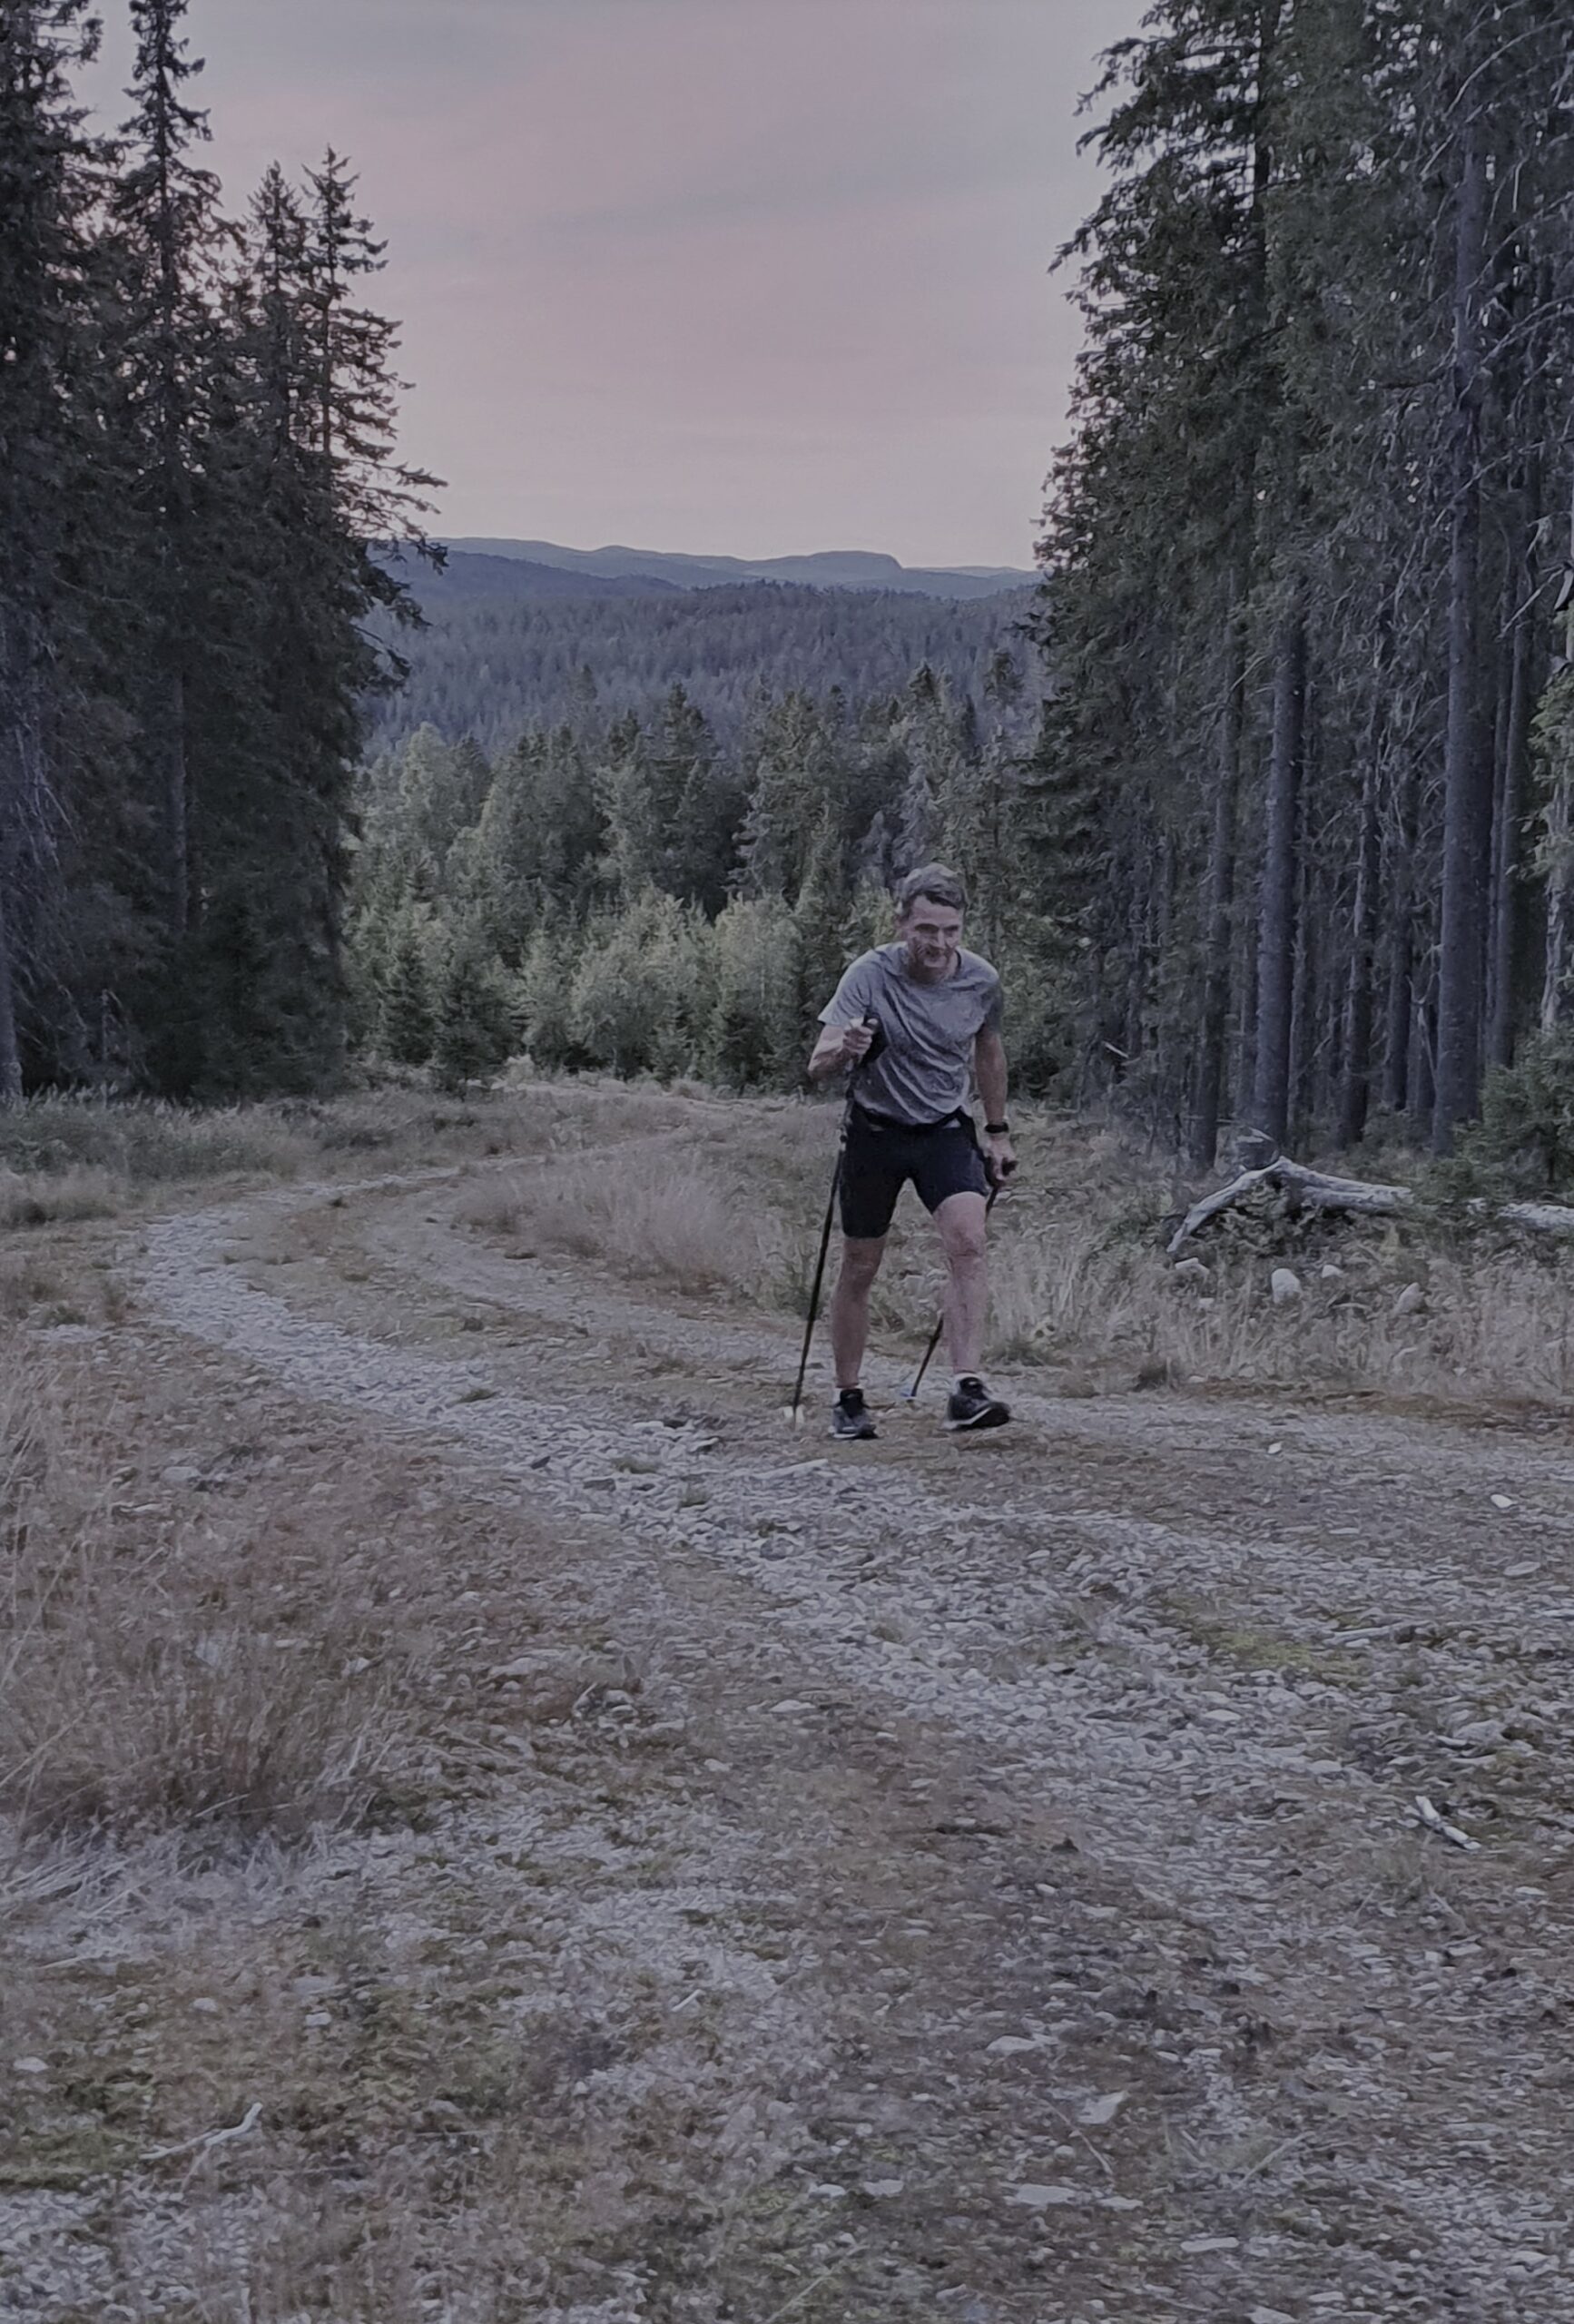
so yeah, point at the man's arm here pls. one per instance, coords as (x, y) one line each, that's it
(838, 1045)
(846, 1038)
(990, 1073)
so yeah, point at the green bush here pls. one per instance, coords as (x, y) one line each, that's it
(1523, 1145)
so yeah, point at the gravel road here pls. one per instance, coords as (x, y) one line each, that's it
(1093, 1748)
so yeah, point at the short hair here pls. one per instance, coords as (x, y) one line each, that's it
(935, 884)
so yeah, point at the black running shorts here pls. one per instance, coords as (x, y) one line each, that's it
(882, 1156)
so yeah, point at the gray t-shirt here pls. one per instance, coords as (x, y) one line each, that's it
(925, 1069)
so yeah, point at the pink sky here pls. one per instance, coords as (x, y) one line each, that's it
(743, 276)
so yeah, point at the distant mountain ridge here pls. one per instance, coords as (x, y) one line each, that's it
(823, 569)
(465, 576)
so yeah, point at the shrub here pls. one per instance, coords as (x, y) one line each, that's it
(146, 1142)
(1523, 1144)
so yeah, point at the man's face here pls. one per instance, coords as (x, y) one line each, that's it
(933, 934)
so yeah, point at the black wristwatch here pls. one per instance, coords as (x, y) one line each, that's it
(997, 1129)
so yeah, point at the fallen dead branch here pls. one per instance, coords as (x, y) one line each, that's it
(206, 2141)
(1318, 1190)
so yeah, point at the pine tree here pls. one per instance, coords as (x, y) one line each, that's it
(472, 1030)
(312, 457)
(52, 384)
(165, 211)
(542, 1000)
(406, 1022)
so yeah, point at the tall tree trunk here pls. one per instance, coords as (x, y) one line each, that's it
(1355, 1080)
(1277, 927)
(1399, 995)
(1507, 838)
(10, 1047)
(1557, 999)
(1467, 796)
(177, 809)
(23, 818)
(1218, 909)
(1421, 1095)
(1303, 1000)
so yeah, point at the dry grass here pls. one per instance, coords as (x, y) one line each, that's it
(1080, 1281)
(1081, 1278)
(38, 1198)
(64, 1157)
(165, 1675)
(141, 1143)
(672, 1221)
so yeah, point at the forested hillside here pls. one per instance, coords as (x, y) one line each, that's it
(644, 891)
(1307, 551)
(497, 658)
(196, 449)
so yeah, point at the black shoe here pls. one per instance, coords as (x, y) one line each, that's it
(972, 1406)
(850, 1420)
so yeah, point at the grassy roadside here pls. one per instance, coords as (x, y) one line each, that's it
(309, 1823)
(1081, 1287)
(724, 1203)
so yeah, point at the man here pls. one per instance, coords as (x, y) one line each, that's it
(919, 1022)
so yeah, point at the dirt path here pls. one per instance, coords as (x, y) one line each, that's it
(1072, 1769)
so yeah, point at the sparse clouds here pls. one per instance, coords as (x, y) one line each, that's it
(743, 275)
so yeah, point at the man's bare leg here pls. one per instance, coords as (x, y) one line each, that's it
(962, 1223)
(861, 1261)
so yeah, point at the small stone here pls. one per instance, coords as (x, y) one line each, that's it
(1328, 1272)
(1271, 2316)
(1009, 2045)
(1195, 2245)
(179, 1473)
(1285, 1284)
(1502, 1501)
(1099, 2111)
(205, 2006)
(789, 1709)
(883, 2190)
(1044, 2199)
(1411, 1300)
(318, 2017)
(30, 2066)
(1193, 1271)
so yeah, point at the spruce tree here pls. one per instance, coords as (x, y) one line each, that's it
(165, 211)
(472, 1030)
(54, 588)
(406, 1016)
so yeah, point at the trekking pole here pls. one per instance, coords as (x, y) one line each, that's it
(909, 1396)
(795, 1410)
(795, 1413)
